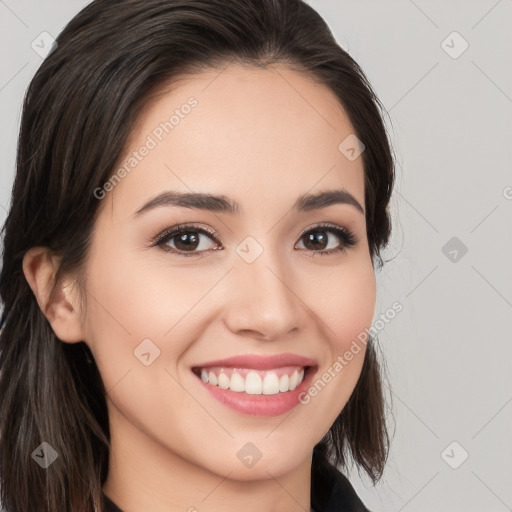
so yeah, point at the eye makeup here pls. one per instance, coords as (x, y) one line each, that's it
(190, 234)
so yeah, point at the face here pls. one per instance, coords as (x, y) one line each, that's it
(266, 278)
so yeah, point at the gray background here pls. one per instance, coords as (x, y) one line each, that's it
(448, 352)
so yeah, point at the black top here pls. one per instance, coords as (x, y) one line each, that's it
(330, 490)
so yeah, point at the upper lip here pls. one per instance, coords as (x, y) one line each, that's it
(261, 362)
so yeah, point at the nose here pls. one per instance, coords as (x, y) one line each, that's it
(262, 302)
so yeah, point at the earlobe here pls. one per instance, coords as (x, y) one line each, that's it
(60, 305)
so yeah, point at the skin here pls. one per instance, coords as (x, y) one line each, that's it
(262, 138)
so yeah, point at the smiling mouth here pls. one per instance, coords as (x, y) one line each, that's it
(254, 382)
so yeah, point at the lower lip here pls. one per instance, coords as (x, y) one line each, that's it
(260, 405)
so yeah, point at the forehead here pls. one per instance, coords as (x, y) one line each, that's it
(248, 133)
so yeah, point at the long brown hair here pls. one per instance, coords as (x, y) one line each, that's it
(77, 114)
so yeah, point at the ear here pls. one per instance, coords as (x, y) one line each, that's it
(61, 307)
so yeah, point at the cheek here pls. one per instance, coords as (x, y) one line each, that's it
(346, 308)
(138, 306)
(134, 299)
(345, 303)
(134, 318)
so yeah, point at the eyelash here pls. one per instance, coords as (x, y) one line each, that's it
(348, 239)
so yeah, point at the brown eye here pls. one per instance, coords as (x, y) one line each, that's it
(186, 240)
(320, 238)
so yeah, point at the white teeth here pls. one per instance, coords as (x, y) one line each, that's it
(270, 384)
(296, 379)
(284, 383)
(223, 381)
(293, 380)
(237, 383)
(253, 384)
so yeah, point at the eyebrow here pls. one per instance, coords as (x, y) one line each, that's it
(222, 204)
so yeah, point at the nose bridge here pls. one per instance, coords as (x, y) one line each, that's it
(262, 299)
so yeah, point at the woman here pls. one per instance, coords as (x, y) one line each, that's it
(188, 276)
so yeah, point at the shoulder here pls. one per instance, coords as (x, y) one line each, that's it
(331, 491)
